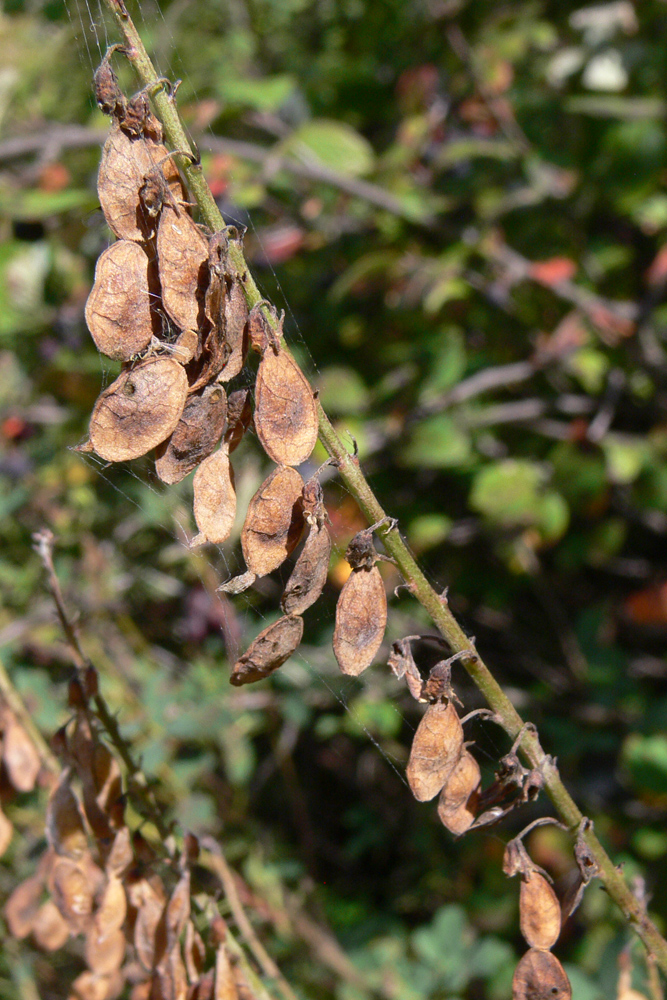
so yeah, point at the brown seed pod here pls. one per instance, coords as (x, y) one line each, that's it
(65, 829)
(436, 749)
(196, 435)
(268, 651)
(108, 94)
(50, 929)
(239, 417)
(118, 310)
(73, 892)
(139, 410)
(540, 976)
(225, 980)
(226, 309)
(22, 907)
(6, 832)
(460, 795)
(20, 756)
(285, 409)
(274, 521)
(214, 499)
(182, 254)
(361, 618)
(539, 912)
(125, 162)
(309, 575)
(402, 663)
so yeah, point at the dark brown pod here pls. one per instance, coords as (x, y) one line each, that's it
(274, 521)
(239, 417)
(269, 651)
(459, 797)
(125, 162)
(540, 976)
(309, 575)
(285, 409)
(214, 499)
(436, 749)
(182, 254)
(139, 410)
(361, 618)
(539, 911)
(118, 311)
(227, 312)
(196, 435)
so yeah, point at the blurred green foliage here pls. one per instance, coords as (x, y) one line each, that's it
(477, 288)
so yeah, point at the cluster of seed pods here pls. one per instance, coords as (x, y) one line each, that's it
(169, 305)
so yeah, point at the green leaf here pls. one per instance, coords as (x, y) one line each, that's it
(437, 443)
(509, 492)
(428, 530)
(645, 757)
(626, 456)
(334, 144)
(342, 390)
(447, 362)
(34, 204)
(266, 94)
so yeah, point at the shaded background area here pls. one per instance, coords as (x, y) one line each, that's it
(462, 209)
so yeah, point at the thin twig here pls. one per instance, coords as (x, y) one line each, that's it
(350, 471)
(137, 783)
(214, 859)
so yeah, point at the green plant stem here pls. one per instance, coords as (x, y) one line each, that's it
(351, 474)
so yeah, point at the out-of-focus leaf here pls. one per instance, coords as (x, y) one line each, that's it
(333, 143)
(427, 531)
(616, 107)
(626, 456)
(34, 204)
(342, 390)
(437, 443)
(590, 366)
(366, 269)
(460, 150)
(268, 93)
(509, 492)
(645, 758)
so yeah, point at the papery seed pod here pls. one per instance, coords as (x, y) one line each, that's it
(120, 855)
(540, 976)
(438, 685)
(112, 908)
(225, 981)
(236, 317)
(89, 986)
(65, 830)
(125, 163)
(460, 795)
(104, 949)
(274, 521)
(272, 647)
(118, 312)
(148, 898)
(20, 756)
(182, 258)
(185, 347)
(196, 435)
(139, 410)
(6, 832)
(402, 663)
(194, 952)
(436, 749)
(72, 893)
(227, 312)
(361, 618)
(214, 499)
(108, 94)
(171, 976)
(285, 409)
(309, 575)
(50, 929)
(238, 584)
(539, 912)
(178, 910)
(22, 907)
(239, 417)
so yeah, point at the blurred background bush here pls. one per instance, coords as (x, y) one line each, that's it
(462, 208)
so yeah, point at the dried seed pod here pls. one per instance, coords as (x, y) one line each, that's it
(185, 347)
(239, 417)
(309, 575)
(285, 409)
(6, 832)
(436, 749)
(120, 855)
(50, 929)
(72, 893)
(22, 907)
(239, 583)
(108, 94)
(104, 949)
(149, 899)
(214, 499)
(226, 309)
(460, 794)
(361, 618)
(540, 976)
(274, 521)
(182, 260)
(268, 651)
(178, 910)
(125, 163)
(194, 952)
(20, 757)
(539, 911)
(196, 435)
(118, 312)
(64, 823)
(139, 410)
(402, 663)
(225, 981)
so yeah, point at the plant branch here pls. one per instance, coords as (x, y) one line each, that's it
(354, 479)
(136, 778)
